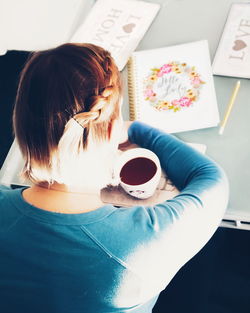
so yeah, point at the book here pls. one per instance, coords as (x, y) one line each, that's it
(232, 56)
(117, 26)
(172, 88)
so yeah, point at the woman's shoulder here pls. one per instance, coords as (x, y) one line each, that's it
(9, 213)
(4, 188)
(5, 191)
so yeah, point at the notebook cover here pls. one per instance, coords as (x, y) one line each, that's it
(118, 26)
(232, 57)
(172, 88)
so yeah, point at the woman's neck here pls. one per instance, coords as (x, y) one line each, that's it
(71, 189)
(63, 199)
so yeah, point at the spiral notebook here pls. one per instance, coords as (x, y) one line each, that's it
(172, 88)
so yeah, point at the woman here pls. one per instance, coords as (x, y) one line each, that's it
(62, 248)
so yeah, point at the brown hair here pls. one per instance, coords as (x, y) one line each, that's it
(71, 84)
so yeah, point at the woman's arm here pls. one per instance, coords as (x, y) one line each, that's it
(179, 227)
(183, 165)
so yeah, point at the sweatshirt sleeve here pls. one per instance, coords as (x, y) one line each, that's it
(184, 224)
(188, 169)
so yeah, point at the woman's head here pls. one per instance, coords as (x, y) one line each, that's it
(67, 101)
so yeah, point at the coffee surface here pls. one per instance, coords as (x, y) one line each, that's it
(138, 171)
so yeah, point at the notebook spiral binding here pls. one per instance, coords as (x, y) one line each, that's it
(132, 87)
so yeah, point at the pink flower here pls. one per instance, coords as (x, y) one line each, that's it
(196, 80)
(185, 102)
(166, 68)
(148, 93)
(160, 74)
(175, 102)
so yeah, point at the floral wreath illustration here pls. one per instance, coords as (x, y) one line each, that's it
(191, 95)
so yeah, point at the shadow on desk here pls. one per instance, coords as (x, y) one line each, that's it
(216, 280)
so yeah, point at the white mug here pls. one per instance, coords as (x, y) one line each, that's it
(144, 190)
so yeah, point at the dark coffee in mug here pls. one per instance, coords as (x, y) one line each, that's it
(138, 171)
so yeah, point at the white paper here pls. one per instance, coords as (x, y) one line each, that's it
(38, 25)
(117, 26)
(233, 54)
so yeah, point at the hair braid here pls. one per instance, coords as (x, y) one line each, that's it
(101, 108)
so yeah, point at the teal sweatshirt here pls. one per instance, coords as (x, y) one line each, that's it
(111, 259)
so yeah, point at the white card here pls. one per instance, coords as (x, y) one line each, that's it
(233, 54)
(117, 26)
